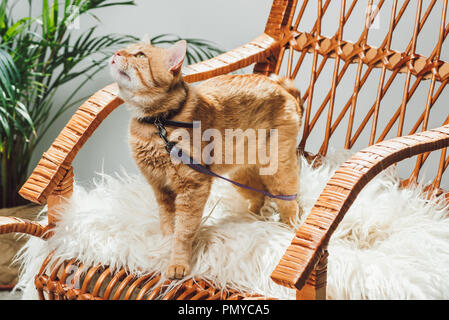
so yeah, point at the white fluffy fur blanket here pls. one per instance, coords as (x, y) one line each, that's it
(392, 244)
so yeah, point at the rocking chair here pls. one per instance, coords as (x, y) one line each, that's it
(304, 264)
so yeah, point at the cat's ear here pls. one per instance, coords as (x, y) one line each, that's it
(146, 39)
(176, 55)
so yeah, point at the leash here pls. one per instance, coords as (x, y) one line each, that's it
(171, 148)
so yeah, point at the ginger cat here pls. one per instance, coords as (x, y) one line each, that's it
(151, 83)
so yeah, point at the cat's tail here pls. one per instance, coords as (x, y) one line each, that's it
(291, 88)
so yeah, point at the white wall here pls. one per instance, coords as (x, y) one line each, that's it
(232, 23)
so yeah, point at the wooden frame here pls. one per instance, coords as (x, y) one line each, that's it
(304, 264)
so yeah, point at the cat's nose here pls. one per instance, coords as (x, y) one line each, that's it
(117, 54)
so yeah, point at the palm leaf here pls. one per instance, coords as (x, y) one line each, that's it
(13, 114)
(9, 75)
(197, 49)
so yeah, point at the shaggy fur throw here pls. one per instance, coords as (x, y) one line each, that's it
(392, 244)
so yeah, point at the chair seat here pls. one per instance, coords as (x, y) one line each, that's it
(236, 251)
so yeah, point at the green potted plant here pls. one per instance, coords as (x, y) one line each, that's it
(39, 54)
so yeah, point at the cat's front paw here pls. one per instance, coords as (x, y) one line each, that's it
(178, 271)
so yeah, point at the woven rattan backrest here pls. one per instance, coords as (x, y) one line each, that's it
(370, 70)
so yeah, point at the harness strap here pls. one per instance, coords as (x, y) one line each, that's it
(180, 155)
(189, 161)
(165, 122)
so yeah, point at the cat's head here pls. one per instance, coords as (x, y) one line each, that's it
(145, 73)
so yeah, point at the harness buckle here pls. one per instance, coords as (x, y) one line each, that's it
(162, 132)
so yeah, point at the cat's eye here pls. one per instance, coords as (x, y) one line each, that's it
(140, 55)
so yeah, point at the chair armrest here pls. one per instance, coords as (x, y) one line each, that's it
(257, 50)
(17, 225)
(56, 162)
(312, 237)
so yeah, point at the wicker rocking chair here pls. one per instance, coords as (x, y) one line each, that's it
(304, 265)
